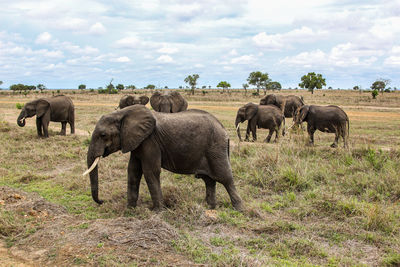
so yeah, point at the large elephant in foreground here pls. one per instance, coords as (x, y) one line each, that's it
(129, 100)
(329, 119)
(260, 116)
(188, 142)
(288, 104)
(169, 102)
(58, 109)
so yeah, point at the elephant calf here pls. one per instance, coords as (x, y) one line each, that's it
(168, 102)
(261, 116)
(129, 100)
(58, 108)
(188, 142)
(329, 119)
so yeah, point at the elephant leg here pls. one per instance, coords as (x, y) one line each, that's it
(134, 176)
(276, 134)
(39, 127)
(311, 132)
(247, 132)
(72, 121)
(222, 173)
(45, 125)
(335, 143)
(63, 128)
(268, 139)
(210, 191)
(151, 166)
(253, 129)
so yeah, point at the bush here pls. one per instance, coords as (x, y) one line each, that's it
(374, 93)
(19, 105)
(255, 93)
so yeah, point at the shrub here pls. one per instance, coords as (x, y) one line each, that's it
(19, 105)
(374, 93)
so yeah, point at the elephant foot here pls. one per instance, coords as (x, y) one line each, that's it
(246, 140)
(61, 133)
(334, 145)
(310, 144)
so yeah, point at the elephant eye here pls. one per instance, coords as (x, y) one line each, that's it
(103, 135)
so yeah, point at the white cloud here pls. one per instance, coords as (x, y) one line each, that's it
(165, 59)
(123, 59)
(168, 50)
(245, 59)
(97, 29)
(284, 40)
(342, 55)
(128, 42)
(43, 38)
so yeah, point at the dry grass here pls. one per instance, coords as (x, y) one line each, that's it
(304, 205)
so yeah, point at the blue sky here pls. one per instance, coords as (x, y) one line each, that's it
(66, 43)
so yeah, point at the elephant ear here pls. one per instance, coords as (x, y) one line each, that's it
(155, 101)
(178, 103)
(272, 99)
(137, 124)
(144, 99)
(303, 112)
(42, 106)
(251, 110)
(130, 100)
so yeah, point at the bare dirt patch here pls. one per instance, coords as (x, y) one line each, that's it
(61, 237)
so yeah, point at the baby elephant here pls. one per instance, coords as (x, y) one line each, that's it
(130, 100)
(260, 116)
(329, 119)
(58, 108)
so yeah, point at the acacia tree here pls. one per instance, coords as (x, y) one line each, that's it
(224, 85)
(192, 81)
(380, 84)
(1, 82)
(312, 81)
(120, 87)
(259, 79)
(81, 86)
(274, 86)
(41, 87)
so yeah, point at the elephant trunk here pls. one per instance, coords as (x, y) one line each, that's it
(237, 125)
(21, 119)
(94, 175)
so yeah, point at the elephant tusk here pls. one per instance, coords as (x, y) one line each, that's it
(92, 167)
(237, 127)
(291, 126)
(21, 120)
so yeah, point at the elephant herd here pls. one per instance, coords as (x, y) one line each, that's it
(179, 140)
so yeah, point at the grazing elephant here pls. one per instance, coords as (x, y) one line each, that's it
(170, 102)
(260, 116)
(58, 108)
(329, 119)
(129, 100)
(188, 142)
(288, 104)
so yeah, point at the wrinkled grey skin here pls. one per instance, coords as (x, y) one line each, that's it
(328, 119)
(288, 104)
(129, 100)
(168, 102)
(188, 142)
(58, 109)
(260, 116)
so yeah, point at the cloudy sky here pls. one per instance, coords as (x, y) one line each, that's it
(65, 43)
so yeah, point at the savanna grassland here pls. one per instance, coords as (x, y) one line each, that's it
(304, 206)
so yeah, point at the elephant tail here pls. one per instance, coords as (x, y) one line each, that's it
(284, 126)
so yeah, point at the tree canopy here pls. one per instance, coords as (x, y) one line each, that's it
(274, 86)
(22, 87)
(259, 79)
(312, 81)
(120, 87)
(192, 81)
(380, 84)
(150, 86)
(224, 85)
(82, 86)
